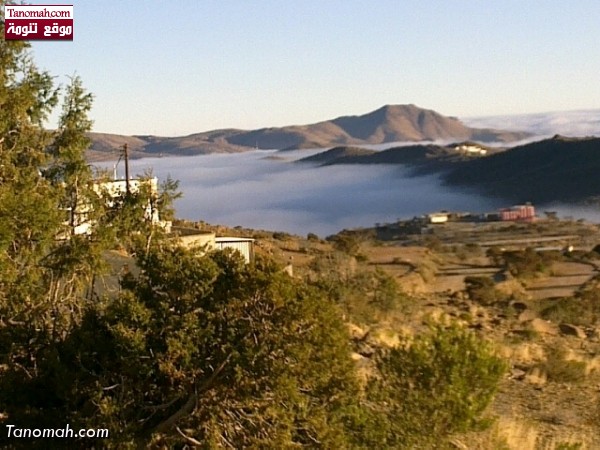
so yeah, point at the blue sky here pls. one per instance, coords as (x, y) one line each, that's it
(183, 66)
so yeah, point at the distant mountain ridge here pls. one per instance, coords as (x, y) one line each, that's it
(390, 123)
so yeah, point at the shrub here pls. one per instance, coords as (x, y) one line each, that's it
(482, 290)
(560, 370)
(582, 309)
(346, 243)
(244, 356)
(281, 236)
(565, 310)
(472, 247)
(439, 384)
(312, 237)
(363, 294)
(386, 294)
(528, 263)
(361, 257)
(433, 243)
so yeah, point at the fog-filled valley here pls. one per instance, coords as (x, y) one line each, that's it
(252, 190)
(269, 190)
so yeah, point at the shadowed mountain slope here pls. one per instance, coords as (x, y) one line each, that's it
(553, 170)
(338, 155)
(421, 158)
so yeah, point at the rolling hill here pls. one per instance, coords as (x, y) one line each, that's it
(422, 158)
(559, 169)
(391, 123)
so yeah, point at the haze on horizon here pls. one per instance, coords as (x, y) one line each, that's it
(182, 67)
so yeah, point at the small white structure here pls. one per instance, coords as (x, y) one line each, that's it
(206, 241)
(117, 188)
(113, 189)
(471, 149)
(439, 217)
(243, 245)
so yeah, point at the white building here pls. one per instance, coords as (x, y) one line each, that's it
(118, 188)
(113, 189)
(439, 217)
(471, 149)
(243, 245)
(207, 241)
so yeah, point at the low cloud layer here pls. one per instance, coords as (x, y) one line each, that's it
(568, 123)
(253, 191)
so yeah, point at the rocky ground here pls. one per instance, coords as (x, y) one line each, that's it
(549, 398)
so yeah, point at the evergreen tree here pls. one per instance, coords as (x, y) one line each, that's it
(29, 217)
(45, 272)
(215, 351)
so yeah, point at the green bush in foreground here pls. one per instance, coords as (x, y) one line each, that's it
(215, 351)
(437, 385)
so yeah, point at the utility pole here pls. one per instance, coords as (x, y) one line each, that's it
(126, 156)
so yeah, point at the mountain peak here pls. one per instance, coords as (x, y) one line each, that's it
(393, 123)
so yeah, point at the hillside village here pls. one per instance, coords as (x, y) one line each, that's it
(528, 284)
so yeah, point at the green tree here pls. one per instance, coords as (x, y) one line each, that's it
(69, 168)
(28, 214)
(29, 218)
(209, 349)
(46, 271)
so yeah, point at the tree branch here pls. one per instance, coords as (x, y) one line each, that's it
(189, 439)
(190, 404)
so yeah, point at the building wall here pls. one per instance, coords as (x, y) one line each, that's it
(207, 241)
(518, 213)
(438, 218)
(116, 188)
(199, 240)
(243, 245)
